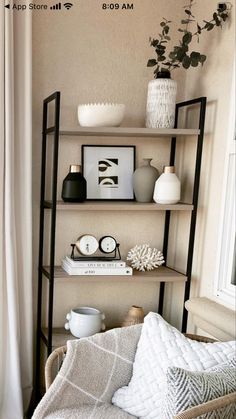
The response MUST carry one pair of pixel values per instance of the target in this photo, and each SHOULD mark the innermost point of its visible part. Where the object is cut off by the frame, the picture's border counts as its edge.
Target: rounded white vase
(161, 100)
(167, 187)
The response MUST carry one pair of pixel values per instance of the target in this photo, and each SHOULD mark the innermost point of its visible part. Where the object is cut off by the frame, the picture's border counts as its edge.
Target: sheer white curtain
(15, 213)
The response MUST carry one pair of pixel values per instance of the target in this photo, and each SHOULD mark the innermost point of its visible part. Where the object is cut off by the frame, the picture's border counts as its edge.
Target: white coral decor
(144, 258)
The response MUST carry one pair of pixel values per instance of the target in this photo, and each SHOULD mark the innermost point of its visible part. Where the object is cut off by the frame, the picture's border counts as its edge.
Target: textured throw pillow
(187, 389)
(160, 347)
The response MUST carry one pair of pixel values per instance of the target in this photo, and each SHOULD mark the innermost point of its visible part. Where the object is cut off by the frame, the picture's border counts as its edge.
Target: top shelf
(126, 132)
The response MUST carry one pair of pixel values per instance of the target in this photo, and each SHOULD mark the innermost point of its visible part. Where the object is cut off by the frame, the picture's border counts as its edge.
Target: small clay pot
(134, 316)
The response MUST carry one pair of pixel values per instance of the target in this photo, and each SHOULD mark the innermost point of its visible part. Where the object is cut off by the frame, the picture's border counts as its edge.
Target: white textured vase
(161, 100)
(167, 187)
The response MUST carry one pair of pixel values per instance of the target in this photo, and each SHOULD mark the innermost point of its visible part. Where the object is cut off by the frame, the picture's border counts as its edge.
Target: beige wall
(93, 55)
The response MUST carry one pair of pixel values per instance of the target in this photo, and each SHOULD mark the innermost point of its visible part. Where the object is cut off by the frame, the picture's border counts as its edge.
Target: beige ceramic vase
(134, 316)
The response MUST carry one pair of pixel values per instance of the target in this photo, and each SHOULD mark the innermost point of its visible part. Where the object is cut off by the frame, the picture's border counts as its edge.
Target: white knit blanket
(93, 369)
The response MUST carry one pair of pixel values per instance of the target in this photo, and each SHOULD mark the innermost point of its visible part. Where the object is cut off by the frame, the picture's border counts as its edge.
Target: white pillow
(160, 347)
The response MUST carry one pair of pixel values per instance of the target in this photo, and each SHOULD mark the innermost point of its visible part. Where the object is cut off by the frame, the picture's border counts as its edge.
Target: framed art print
(108, 171)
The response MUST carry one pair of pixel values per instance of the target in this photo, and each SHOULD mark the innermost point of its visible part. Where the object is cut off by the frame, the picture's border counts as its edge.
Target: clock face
(87, 245)
(107, 244)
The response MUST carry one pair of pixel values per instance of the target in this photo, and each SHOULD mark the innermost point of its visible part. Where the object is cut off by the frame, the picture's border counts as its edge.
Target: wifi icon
(67, 5)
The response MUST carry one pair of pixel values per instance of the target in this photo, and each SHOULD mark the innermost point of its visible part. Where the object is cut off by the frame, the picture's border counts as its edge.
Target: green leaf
(160, 52)
(161, 47)
(185, 21)
(210, 27)
(194, 62)
(184, 47)
(167, 38)
(154, 42)
(161, 58)
(187, 38)
(223, 8)
(163, 24)
(181, 30)
(181, 54)
(216, 19)
(188, 12)
(151, 63)
(166, 29)
(172, 55)
(195, 55)
(224, 16)
(186, 62)
(202, 58)
(199, 29)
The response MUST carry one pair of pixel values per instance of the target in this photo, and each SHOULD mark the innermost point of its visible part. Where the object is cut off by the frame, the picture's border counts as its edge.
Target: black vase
(74, 188)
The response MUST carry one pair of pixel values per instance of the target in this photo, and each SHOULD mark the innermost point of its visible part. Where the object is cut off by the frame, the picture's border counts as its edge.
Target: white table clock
(87, 245)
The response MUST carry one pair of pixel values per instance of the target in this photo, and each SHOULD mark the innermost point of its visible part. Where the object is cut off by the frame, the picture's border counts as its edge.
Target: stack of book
(94, 267)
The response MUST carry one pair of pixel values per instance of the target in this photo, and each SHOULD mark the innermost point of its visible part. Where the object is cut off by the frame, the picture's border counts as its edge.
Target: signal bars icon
(58, 6)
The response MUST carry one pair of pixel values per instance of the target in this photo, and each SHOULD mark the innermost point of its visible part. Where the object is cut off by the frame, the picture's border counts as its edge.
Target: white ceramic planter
(167, 187)
(85, 321)
(161, 100)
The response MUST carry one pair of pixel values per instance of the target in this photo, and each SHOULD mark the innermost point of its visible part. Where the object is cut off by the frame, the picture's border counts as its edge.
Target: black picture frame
(109, 188)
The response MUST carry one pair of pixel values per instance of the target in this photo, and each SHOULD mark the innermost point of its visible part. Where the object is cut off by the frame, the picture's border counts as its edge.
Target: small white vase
(161, 100)
(167, 187)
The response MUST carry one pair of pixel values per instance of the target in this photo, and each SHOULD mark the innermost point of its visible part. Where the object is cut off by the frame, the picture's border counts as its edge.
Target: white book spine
(97, 271)
(95, 264)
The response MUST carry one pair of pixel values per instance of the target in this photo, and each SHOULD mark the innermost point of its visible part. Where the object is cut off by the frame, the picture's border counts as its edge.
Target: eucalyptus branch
(179, 55)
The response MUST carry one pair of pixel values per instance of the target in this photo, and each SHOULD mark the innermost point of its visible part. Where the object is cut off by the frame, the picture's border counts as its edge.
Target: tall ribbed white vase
(161, 100)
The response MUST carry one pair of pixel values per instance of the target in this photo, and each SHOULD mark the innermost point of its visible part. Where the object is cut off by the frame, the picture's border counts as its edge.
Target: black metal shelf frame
(54, 133)
(55, 97)
(201, 125)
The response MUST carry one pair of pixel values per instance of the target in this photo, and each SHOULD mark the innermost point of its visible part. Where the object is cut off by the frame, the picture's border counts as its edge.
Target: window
(226, 280)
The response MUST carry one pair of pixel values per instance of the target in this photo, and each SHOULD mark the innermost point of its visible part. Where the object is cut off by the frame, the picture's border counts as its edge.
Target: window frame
(224, 290)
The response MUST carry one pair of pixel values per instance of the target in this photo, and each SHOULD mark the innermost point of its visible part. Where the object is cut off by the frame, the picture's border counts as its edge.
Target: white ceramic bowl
(85, 321)
(101, 115)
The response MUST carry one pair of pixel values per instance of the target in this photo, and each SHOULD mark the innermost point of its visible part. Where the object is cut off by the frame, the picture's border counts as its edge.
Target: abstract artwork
(108, 171)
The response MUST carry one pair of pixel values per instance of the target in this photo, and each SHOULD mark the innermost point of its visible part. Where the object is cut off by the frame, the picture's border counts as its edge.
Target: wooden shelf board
(119, 206)
(128, 132)
(60, 335)
(162, 274)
